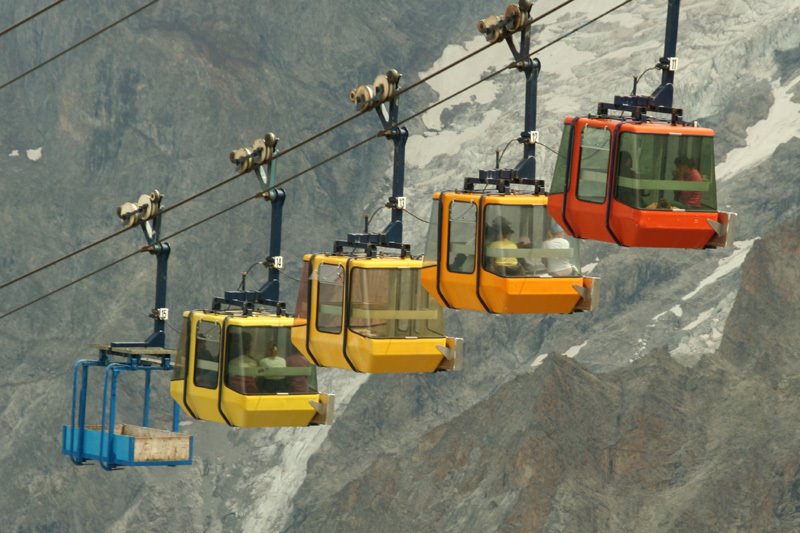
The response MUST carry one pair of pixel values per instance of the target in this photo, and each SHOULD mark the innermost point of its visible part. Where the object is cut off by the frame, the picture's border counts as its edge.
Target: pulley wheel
(261, 151)
(271, 139)
(146, 207)
(240, 159)
(129, 213)
(514, 18)
(383, 88)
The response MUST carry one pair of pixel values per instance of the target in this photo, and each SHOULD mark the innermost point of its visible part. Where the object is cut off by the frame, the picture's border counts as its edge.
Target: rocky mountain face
(654, 446)
(668, 409)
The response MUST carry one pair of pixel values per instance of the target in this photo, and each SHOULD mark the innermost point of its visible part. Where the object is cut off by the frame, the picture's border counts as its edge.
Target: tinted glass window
(391, 303)
(262, 360)
(301, 309)
(329, 298)
(667, 172)
(179, 368)
(431, 257)
(560, 174)
(206, 362)
(593, 170)
(524, 241)
(461, 239)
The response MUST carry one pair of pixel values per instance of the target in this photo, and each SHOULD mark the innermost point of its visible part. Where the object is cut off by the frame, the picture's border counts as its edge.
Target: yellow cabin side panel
(395, 355)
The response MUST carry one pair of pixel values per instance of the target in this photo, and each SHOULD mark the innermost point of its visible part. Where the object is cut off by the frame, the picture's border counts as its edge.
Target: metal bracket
(670, 64)
(396, 202)
(260, 153)
(588, 300)
(529, 137)
(324, 411)
(161, 313)
(453, 352)
(724, 230)
(275, 262)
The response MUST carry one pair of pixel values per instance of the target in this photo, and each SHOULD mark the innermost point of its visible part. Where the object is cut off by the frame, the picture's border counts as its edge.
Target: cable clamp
(397, 202)
(275, 262)
(670, 64)
(530, 137)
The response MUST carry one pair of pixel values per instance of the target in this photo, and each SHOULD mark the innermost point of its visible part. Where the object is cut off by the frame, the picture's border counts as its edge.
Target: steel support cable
(339, 154)
(191, 226)
(279, 154)
(475, 52)
(76, 45)
(73, 282)
(512, 65)
(64, 258)
(413, 85)
(29, 18)
(277, 185)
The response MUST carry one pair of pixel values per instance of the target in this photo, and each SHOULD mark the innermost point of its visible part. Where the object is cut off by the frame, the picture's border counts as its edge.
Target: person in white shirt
(557, 266)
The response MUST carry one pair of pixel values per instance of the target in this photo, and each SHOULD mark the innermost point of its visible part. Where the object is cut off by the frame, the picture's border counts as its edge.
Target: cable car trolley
(362, 306)
(492, 246)
(636, 174)
(111, 443)
(235, 363)
(499, 251)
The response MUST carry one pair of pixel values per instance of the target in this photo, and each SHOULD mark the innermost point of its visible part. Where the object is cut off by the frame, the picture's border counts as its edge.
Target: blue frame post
(82, 443)
(146, 410)
(76, 452)
(271, 290)
(106, 456)
(393, 232)
(663, 94)
(530, 67)
(661, 99)
(385, 89)
(260, 158)
(161, 251)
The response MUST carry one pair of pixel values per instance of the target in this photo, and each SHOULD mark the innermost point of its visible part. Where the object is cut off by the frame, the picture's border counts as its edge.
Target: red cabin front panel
(636, 184)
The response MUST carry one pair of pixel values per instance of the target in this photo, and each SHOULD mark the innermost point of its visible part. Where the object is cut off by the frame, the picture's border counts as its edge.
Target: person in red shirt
(686, 170)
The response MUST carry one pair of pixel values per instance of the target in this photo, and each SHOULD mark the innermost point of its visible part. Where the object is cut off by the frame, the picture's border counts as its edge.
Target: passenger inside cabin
(272, 361)
(499, 236)
(243, 368)
(686, 170)
(557, 266)
(205, 374)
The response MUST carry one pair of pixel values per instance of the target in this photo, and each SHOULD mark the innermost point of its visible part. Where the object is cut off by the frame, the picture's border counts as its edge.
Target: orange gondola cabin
(638, 182)
(492, 246)
(500, 252)
(641, 176)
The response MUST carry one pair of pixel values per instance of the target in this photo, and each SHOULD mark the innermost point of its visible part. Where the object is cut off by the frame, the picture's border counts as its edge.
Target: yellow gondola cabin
(502, 253)
(370, 314)
(242, 370)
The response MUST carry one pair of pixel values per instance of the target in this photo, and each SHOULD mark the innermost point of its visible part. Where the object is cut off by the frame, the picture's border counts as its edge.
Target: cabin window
(301, 309)
(461, 237)
(593, 169)
(262, 360)
(561, 172)
(668, 172)
(329, 298)
(524, 241)
(391, 303)
(206, 361)
(179, 364)
(431, 257)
